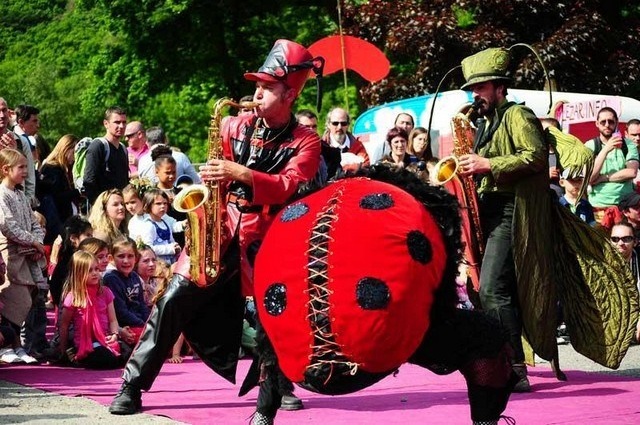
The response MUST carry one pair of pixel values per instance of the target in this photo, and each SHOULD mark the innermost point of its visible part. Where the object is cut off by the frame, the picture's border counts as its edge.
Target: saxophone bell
(190, 198)
(446, 169)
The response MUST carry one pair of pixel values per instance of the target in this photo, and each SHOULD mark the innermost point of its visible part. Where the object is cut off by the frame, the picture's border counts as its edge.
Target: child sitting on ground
(89, 306)
(131, 310)
(75, 230)
(146, 269)
(99, 249)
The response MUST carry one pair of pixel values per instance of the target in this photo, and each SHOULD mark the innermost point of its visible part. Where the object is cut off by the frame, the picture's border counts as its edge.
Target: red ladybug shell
(381, 260)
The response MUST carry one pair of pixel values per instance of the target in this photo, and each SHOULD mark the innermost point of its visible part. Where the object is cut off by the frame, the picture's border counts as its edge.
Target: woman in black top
(56, 193)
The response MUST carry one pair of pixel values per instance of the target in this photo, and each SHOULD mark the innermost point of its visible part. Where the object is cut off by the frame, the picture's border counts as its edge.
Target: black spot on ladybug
(275, 299)
(294, 212)
(419, 246)
(252, 251)
(372, 293)
(376, 201)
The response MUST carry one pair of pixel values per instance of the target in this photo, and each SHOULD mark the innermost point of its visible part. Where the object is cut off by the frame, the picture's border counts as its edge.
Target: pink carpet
(191, 393)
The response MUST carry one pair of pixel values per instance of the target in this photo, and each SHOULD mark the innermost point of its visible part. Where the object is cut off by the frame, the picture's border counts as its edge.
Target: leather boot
(128, 401)
(523, 385)
(290, 402)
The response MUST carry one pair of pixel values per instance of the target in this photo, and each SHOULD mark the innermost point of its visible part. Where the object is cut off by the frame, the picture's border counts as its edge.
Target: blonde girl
(108, 216)
(21, 246)
(89, 307)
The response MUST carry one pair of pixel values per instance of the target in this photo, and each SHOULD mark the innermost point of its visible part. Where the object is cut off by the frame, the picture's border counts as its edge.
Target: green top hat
(487, 65)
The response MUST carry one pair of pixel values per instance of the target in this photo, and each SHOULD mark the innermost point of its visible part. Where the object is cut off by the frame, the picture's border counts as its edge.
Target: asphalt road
(23, 405)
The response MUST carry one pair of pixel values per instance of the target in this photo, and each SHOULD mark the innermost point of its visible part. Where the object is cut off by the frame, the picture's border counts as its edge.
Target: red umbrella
(348, 52)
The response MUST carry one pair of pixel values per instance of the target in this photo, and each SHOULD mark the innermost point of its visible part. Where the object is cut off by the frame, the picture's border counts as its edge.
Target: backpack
(597, 147)
(80, 157)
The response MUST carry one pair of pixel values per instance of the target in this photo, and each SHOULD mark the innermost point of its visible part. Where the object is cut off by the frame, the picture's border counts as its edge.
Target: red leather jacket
(279, 167)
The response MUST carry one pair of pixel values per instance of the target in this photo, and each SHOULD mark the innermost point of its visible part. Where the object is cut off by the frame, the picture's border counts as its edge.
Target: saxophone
(204, 208)
(447, 170)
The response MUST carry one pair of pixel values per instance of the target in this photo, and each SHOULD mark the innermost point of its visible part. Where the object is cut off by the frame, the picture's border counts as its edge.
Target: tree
(589, 45)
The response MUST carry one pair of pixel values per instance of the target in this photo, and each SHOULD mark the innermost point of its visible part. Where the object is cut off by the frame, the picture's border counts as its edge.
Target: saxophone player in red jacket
(267, 156)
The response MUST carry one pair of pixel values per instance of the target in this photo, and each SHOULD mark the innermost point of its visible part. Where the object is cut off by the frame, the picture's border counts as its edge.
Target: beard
(339, 137)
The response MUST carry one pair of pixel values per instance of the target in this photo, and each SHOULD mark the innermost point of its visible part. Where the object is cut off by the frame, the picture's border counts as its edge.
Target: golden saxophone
(204, 207)
(447, 169)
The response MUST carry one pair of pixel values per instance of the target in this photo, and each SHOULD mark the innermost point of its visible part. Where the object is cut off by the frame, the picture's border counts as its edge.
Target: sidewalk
(24, 405)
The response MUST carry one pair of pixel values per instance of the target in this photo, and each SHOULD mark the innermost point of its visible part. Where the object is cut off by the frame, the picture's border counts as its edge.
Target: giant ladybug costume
(279, 161)
(358, 278)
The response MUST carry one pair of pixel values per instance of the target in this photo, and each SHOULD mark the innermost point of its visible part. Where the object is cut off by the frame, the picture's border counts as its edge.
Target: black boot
(523, 385)
(290, 402)
(127, 402)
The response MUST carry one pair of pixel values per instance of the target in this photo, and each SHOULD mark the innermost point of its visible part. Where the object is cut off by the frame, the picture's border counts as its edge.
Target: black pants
(498, 284)
(273, 383)
(210, 318)
(102, 358)
(34, 328)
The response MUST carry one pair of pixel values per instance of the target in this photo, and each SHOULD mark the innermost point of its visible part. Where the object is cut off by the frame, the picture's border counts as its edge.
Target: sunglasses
(342, 123)
(127, 136)
(605, 122)
(625, 239)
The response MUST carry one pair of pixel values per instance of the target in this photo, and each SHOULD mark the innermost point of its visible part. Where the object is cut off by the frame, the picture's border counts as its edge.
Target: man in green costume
(535, 254)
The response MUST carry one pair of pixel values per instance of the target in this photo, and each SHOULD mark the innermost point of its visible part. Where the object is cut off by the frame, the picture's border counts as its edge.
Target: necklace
(266, 131)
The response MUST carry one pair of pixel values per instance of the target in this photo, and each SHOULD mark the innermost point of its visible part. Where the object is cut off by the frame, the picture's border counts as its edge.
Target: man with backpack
(106, 163)
(615, 165)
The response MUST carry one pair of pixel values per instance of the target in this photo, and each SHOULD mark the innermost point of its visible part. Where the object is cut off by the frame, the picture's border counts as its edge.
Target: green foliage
(17, 16)
(590, 45)
(333, 95)
(465, 18)
(184, 114)
(47, 67)
(167, 61)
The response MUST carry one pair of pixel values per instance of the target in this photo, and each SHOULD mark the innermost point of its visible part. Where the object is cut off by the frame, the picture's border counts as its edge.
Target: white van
(575, 111)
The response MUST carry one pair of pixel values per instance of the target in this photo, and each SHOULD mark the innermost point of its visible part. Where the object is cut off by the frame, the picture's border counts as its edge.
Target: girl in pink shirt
(89, 306)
